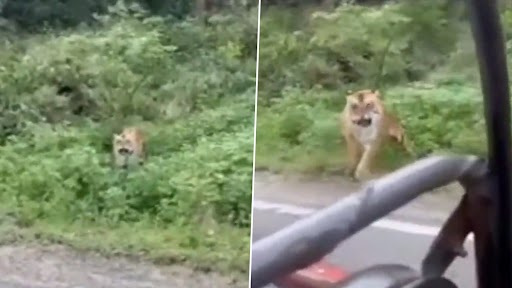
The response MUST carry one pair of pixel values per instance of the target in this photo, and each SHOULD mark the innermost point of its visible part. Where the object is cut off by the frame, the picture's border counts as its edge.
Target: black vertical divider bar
(490, 48)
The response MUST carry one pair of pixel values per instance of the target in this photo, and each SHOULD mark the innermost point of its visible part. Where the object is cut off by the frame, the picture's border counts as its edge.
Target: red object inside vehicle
(319, 275)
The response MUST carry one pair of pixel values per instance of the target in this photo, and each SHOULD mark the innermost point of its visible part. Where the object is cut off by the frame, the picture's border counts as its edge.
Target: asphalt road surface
(403, 237)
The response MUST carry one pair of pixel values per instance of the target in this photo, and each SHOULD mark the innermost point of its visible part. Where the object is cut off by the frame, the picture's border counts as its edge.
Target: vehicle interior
(484, 209)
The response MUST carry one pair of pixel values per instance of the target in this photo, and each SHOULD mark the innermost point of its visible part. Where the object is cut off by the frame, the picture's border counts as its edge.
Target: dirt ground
(34, 266)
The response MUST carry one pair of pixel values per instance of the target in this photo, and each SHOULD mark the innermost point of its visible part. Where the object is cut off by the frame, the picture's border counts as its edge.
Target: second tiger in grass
(129, 148)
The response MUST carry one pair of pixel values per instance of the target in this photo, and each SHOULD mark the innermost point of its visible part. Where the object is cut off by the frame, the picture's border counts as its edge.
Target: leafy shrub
(135, 70)
(448, 117)
(58, 174)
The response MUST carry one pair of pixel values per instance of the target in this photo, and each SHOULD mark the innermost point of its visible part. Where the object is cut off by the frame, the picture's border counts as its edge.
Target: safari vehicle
(286, 257)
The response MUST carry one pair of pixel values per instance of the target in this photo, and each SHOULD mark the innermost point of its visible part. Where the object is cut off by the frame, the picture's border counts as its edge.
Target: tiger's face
(364, 107)
(123, 145)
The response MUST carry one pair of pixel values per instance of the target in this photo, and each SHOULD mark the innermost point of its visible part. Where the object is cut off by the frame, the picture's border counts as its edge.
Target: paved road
(401, 238)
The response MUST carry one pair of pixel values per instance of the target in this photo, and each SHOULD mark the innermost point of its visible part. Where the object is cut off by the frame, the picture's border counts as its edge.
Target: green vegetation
(419, 54)
(188, 85)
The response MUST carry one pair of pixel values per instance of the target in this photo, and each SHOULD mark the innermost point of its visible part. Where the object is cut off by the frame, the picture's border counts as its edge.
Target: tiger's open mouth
(124, 151)
(363, 122)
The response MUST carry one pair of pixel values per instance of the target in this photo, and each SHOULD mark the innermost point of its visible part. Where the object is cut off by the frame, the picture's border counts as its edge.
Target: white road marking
(388, 224)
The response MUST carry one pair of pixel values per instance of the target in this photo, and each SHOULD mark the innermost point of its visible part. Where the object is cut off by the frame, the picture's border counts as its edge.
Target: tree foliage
(34, 14)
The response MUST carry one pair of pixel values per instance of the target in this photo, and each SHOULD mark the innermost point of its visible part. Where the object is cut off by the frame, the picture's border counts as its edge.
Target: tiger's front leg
(355, 152)
(363, 170)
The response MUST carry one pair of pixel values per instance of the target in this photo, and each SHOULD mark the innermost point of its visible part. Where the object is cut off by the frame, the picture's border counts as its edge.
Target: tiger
(129, 148)
(366, 125)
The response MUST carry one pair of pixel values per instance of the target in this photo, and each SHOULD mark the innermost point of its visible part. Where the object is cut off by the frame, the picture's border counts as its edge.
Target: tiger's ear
(377, 93)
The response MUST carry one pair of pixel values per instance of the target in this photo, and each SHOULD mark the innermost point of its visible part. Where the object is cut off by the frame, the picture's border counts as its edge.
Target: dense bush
(420, 55)
(353, 45)
(190, 87)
